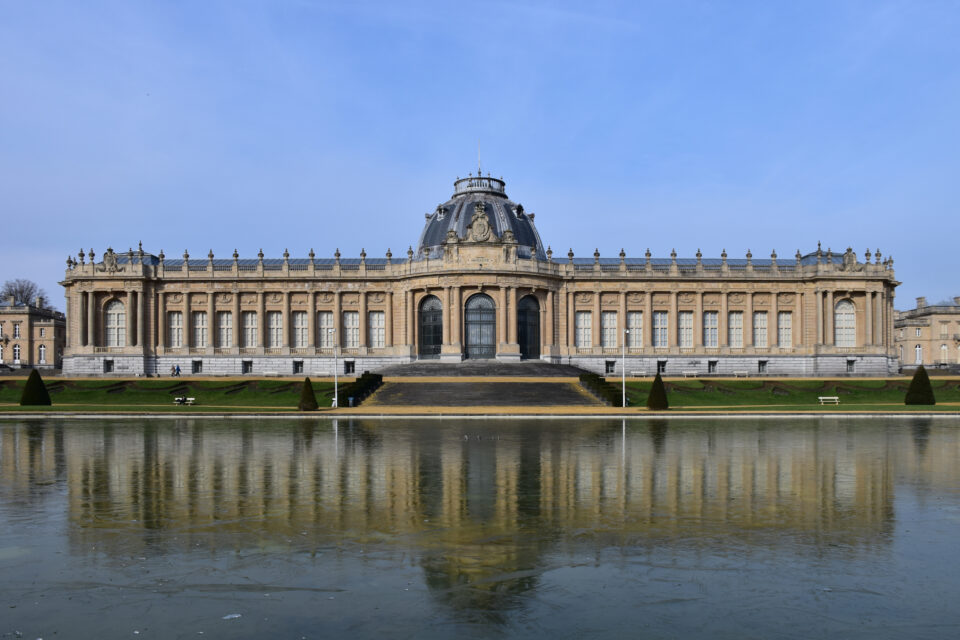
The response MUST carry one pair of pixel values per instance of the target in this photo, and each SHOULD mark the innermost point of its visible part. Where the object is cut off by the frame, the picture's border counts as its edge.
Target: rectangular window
(325, 327)
(735, 329)
(851, 366)
(608, 326)
(635, 326)
(583, 337)
(685, 328)
(944, 328)
(175, 329)
(108, 366)
(660, 327)
(250, 338)
(298, 366)
(224, 328)
(300, 329)
(712, 366)
(785, 329)
(760, 329)
(16, 330)
(376, 329)
(710, 319)
(610, 366)
(661, 366)
(761, 366)
(1, 329)
(351, 329)
(247, 365)
(349, 367)
(196, 366)
(43, 332)
(918, 332)
(274, 329)
(199, 321)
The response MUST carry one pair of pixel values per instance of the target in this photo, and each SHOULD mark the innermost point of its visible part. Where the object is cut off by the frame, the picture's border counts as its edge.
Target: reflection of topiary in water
(308, 400)
(34, 392)
(920, 391)
(657, 400)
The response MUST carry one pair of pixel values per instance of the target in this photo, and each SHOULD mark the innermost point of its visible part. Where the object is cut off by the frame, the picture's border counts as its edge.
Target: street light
(336, 366)
(623, 366)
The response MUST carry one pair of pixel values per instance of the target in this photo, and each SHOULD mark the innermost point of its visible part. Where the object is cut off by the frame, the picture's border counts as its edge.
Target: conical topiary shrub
(920, 391)
(657, 400)
(308, 401)
(34, 392)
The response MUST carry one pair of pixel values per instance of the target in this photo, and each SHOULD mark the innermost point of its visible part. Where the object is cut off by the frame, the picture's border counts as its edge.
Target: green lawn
(786, 394)
(158, 395)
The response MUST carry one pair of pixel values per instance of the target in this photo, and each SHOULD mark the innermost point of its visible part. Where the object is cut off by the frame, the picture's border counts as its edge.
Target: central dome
(502, 215)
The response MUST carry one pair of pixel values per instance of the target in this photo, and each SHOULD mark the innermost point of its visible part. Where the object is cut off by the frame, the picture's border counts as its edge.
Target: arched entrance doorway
(481, 327)
(528, 328)
(431, 327)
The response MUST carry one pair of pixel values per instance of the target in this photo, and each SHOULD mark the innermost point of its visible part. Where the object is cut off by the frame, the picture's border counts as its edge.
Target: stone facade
(31, 335)
(480, 284)
(928, 334)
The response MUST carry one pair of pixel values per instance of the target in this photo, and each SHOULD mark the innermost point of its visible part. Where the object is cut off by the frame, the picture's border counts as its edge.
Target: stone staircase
(482, 393)
(481, 368)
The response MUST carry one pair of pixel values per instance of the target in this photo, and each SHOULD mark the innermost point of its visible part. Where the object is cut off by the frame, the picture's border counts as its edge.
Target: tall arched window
(42, 354)
(918, 350)
(845, 322)
(114, 325)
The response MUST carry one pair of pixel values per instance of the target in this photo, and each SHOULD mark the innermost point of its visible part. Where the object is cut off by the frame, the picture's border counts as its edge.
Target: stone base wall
(222, 365)
(776, 366)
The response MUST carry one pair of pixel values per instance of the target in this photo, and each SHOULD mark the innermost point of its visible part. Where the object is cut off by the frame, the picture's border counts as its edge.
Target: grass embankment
(224, 396)
(795, 395)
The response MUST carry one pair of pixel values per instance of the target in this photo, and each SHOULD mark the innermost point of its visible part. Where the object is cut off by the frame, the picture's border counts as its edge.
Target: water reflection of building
(476, 503)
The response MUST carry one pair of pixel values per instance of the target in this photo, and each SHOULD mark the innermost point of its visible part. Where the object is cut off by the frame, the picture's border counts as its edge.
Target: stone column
(568, 303)
(445, 297)
(673, 326)
(596, 329)
(141, 315)
(187, 337)
(237, 320)
(818, 300)
(286, 342)
(512, 317)
(312, 319)
(388, 320)
(880, 323)
(337, 320)
(774, 339)
(548, 323)
(91, 319)
(161, 320)
(748, 321)
(128, 329)
(829, 319)
(409, 316)
(81, 319)
(68, 312)
(868, 312)
(363, 319)
(261, 320)
(723, 330)
(212, 333)
(502, 317)
(698, 321)
(647, 340)
(456, 324)
(622, 320)
(798, 321)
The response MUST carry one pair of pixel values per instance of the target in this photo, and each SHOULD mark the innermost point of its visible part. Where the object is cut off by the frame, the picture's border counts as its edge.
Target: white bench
(184, 400)
(689, 374)
(740, 374)
(638, 374)
(829, 399)
(271, 374)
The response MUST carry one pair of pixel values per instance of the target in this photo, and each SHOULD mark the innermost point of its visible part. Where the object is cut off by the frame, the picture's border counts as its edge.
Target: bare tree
(23, 291)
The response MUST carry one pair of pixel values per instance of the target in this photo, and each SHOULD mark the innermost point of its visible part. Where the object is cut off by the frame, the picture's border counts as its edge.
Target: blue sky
(301, 124)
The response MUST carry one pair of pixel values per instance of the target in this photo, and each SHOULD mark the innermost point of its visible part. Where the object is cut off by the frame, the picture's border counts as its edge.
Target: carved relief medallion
(377, 297)
(737, 298)
(326, 297)
(685, 298)
(225, 297)
(479, 225)
(635, 298)
(786, 298)
(661, 299)
(584, 298)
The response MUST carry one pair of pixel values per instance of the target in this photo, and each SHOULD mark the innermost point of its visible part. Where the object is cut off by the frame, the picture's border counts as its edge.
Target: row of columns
(88, 331)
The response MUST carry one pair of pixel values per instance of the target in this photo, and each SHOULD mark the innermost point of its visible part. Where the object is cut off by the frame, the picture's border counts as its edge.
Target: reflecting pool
(739, 528)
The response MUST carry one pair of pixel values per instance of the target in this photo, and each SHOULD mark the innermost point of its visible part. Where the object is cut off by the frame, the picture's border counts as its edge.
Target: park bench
(638, 374)
(829, 399)
(184, 400)
(740, 374)
(689, 374)
(271, 374)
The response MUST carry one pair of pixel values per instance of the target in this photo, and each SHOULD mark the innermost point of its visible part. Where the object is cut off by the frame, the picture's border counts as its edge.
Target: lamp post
(336, 366)
(623, 366)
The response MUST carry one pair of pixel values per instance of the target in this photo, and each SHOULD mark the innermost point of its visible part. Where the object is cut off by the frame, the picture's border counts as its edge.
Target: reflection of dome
(457, 213)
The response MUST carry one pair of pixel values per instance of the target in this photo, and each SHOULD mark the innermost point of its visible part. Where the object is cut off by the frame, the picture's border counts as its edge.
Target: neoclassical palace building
(480, 284)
